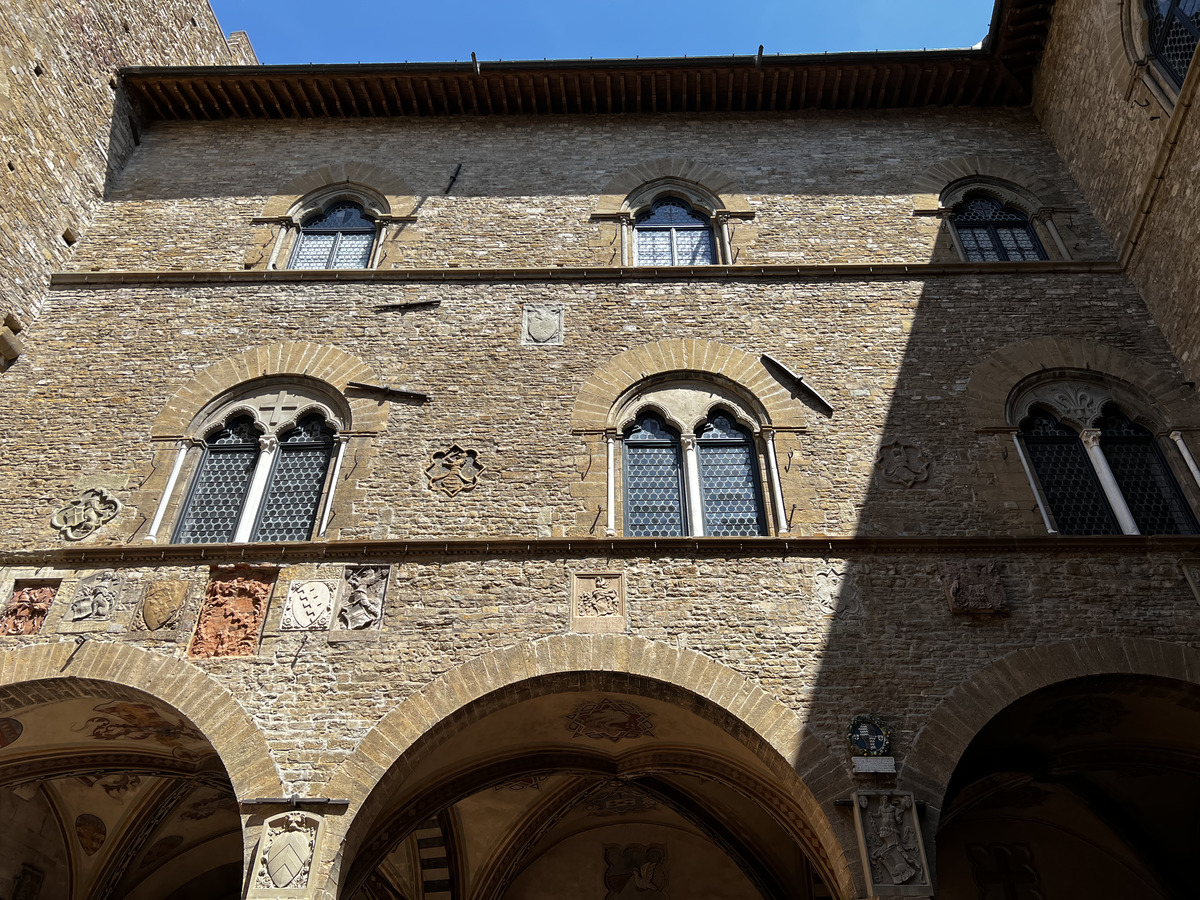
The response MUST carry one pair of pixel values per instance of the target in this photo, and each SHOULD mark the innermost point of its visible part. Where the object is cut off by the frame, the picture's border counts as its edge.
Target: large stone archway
(389, 778)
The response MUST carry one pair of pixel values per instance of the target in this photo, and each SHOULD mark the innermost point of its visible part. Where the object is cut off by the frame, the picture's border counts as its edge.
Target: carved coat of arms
(453, 471)
(309, 605)
(903, 464)
(890, 840)
(973, 587)
(288, 855)
(79, 518)
(543, 325)
(95, 596)
(27, 609)
(362, 604)
(161, 605)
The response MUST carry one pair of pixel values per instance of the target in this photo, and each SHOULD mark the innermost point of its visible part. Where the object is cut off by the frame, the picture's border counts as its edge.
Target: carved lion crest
(79, 518)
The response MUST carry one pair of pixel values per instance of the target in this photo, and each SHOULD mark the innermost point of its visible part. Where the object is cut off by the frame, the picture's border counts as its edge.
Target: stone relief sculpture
(900, 463)
(618, 799)
(635, 870)
(161, 604)
(542, 325)
(95, 596)
(597, 602)
(835, 594)
(973, 588)
(361, 608)
(309, 605)
(27, 608)
(232, 613)
(453, 471)
(91, 832)
(889, 837)
(289, 842)
(80, 518)
(612, 720)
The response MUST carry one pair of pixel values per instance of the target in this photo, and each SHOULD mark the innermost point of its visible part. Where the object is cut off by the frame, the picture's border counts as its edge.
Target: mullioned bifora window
(255, 486)
(1111, 478)
(671, 233)
(341, 237)
(989, 231)
(1174, 33)
(717, 468)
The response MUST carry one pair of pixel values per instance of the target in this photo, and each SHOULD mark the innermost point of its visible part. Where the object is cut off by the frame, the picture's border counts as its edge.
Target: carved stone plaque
(95, 597)
(309, 605)
(834, 592)
(86, 515)
(360, 607)
(635, 871)
(27, 608)
(900, 463)
(160, 607)
(598, 602)
(542, 325)
(889, 838)
(974, 588)
(454, 471)
(229, 622)
(286, 852)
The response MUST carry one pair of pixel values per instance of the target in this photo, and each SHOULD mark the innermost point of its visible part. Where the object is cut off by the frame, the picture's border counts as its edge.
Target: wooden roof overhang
(999, 73)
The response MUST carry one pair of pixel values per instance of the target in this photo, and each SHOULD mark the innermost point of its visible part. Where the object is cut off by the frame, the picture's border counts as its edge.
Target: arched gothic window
(1174, 32)
(263, 473)
(341, 237)
(989, 231)
(671, 233)
(705, 483)
(1108, 477)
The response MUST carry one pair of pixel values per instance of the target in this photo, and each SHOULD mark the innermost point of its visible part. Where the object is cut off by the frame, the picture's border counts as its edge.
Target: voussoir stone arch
(501, 674)
(209, 706)
(708, 179)
(992, 381)
(375, 180)
(296, 359)
(596, 403)
(931, 184)
(963, 713)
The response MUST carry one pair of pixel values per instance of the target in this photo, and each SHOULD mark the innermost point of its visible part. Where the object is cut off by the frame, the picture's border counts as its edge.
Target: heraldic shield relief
(289, 844)
(635, 870)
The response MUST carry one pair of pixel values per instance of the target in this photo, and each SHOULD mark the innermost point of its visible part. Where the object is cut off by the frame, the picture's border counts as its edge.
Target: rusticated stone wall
(66, 128)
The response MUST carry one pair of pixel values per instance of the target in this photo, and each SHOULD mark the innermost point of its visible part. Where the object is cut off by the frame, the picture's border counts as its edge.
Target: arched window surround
(702, 202)
(1146, 67)
(1041, 217)
(1082, 404)
(685, 405)
(312, 205)
(274, 407)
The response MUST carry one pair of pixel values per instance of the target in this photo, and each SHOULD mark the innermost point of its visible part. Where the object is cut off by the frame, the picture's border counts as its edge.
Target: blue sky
(304, 31)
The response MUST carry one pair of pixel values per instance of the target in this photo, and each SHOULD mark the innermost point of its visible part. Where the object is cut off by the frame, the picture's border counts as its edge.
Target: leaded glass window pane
(729, 480)
(219, 491)
(671, 233)
(340, 238)
(1150, 490)
(1174, 33)
(353, 251)
(653, 480)
(992, 232)
(1067, 478)
(289, 507)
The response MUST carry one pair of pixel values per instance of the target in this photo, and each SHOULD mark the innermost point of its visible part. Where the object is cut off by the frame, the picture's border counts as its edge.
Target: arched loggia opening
(1079, 789)
(589, 784)
(108, 792)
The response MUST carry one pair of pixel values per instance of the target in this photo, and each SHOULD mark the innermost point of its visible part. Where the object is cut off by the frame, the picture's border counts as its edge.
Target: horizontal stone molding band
(456, 274)
(400, 550)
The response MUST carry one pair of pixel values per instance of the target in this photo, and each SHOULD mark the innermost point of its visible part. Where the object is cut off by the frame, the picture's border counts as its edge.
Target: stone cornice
(457, 275)
(292, 553)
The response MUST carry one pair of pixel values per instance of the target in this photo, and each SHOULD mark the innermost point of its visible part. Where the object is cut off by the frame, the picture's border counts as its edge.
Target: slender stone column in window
(1037, 492)
(610, 441)
(337, 467)
(691, 467)
(781, 522)
(723, 237)
(172, 479)
(284, 229)
(1177, 437)
(1047, 218)
(1091, 443)
(269, 444)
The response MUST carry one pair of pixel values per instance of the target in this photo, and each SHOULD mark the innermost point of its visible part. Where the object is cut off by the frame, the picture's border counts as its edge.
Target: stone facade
(473, 675)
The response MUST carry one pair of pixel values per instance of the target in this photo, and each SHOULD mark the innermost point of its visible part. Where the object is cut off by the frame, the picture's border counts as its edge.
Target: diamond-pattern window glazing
(219, 491)
(653, 480)
(729, 483)
(992, 232)
(1149, 489)
(671, 233)
(1067, 478)
(340, 238)
(289, 507)
(1174, 34)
